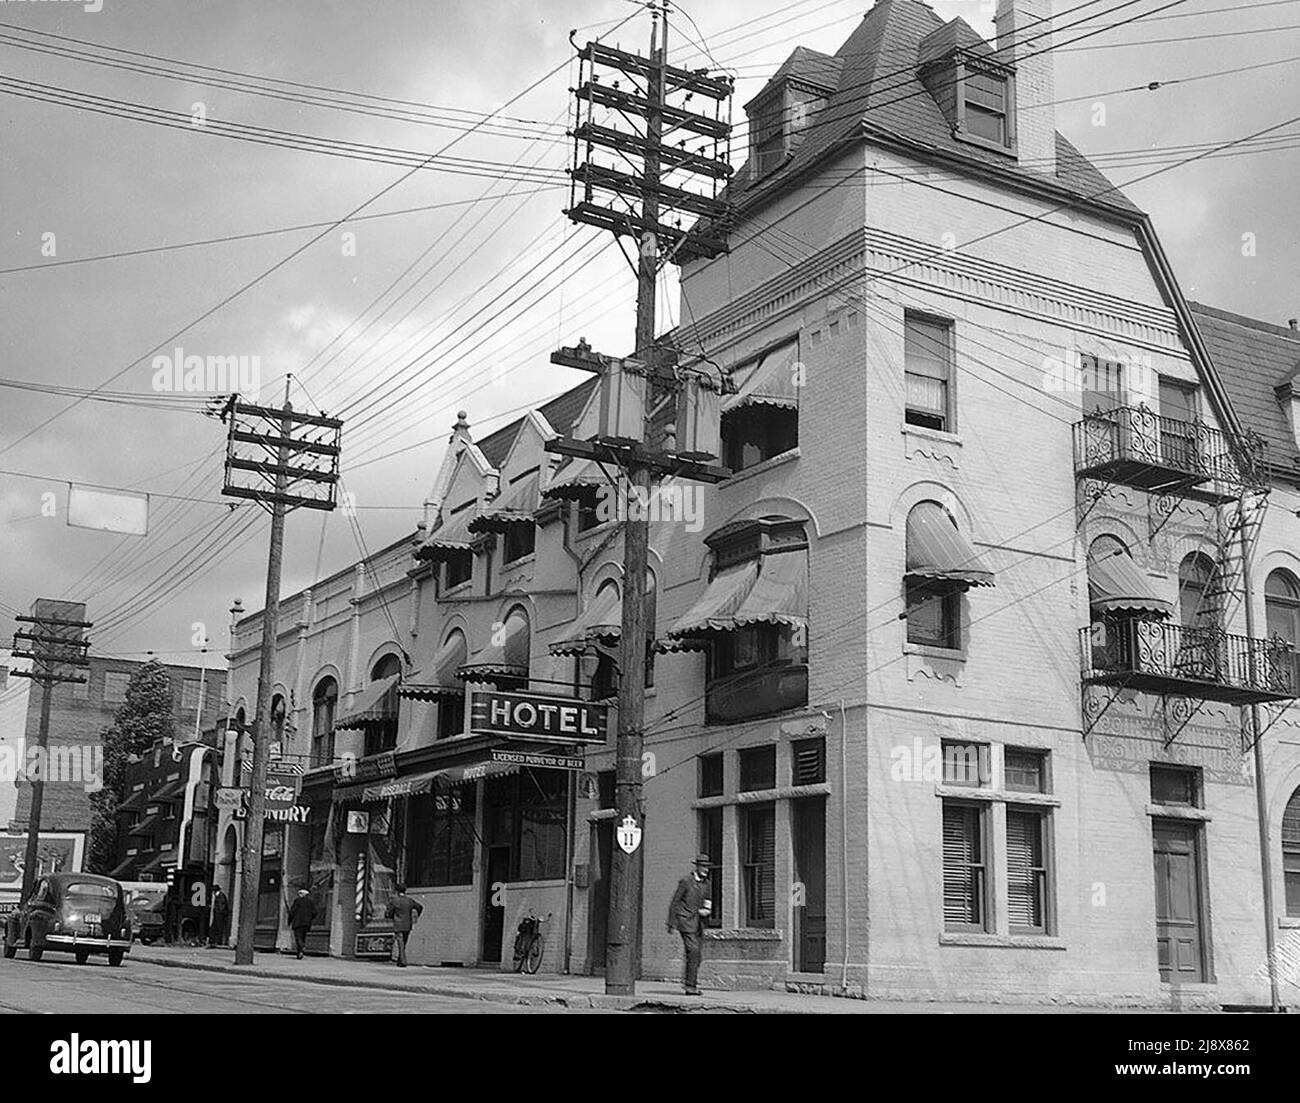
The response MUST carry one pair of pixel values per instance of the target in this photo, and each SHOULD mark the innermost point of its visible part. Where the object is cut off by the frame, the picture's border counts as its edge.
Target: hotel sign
(533, 716)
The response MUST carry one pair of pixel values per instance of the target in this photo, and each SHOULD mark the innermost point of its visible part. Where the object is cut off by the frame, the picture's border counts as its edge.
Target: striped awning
(770, 383)
(449, 539)
(377, 792)
(133, 803)
(374, 704)
(1117, 584)
(450, 658)
(772, 589)
(515, 506)
(601, 622)
(937, 550)
(578, 480)
(507, 658)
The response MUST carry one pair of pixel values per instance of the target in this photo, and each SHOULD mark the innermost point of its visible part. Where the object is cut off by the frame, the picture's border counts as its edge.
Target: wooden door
(1180, 935)
(494, 910)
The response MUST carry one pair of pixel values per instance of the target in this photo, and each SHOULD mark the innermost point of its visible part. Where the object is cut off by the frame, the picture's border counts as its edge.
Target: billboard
(58, 852)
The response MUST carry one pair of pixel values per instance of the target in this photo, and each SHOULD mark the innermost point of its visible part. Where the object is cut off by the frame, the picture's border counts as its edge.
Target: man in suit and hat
(689, 908)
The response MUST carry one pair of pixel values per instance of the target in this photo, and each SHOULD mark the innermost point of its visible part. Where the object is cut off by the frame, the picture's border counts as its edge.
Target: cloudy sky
(453, 298)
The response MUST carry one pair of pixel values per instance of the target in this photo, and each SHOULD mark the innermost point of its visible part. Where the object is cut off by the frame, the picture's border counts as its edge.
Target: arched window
(278, 713)
(1194, 574)
(381, 734)
(1282, 606)
(1291, 854)
(516, 650)
(451, 704)
(604, 678)
(941, 566)
(324, 700)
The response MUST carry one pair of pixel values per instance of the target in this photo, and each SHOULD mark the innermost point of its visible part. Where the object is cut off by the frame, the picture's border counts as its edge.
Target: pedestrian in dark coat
(689, 908)
(403, 911)
(219, 931)
(302, 913)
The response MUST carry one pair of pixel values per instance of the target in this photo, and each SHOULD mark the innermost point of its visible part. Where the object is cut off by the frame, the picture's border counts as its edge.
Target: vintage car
(146, 906)
(80, 913)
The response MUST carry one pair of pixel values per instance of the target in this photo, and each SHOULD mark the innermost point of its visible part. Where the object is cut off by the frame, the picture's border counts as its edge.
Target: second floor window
(518, 542)
(927, 361)
(324, 699)
(761, 421)
(941, 567)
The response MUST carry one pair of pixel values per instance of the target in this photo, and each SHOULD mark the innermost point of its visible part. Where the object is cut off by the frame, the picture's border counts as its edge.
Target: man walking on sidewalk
(302, 913)
(689, 908)
(403, 911)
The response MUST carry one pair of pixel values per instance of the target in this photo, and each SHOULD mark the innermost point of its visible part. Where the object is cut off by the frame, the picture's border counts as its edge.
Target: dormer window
(786, 108)
(769, 134)
(975, 92)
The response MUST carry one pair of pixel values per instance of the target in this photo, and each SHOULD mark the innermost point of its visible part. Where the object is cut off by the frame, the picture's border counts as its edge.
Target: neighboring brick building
(79, 715)
(952, 673)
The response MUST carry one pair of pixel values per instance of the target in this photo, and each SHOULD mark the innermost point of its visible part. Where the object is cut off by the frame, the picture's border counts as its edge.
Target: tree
(143, 719)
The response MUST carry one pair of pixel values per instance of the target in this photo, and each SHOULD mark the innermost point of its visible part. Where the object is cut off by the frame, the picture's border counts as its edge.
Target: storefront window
(442, 838)
(528, 812)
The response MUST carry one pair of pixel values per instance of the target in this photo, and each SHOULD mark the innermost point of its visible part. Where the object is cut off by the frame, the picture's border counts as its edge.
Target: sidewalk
(512, 988)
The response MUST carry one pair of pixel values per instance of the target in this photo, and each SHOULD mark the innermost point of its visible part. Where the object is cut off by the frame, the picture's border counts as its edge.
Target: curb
(599, 1002)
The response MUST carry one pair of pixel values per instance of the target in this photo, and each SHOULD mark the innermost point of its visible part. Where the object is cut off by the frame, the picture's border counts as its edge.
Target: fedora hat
(703, 860)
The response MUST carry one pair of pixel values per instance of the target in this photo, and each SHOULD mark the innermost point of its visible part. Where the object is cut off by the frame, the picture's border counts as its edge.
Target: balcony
(1203, 663)
(1132, 446)
(752, 693)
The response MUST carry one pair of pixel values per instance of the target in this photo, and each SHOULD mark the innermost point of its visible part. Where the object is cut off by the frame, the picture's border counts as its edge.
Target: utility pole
(312, 442)
(56, 643)
(632, 438)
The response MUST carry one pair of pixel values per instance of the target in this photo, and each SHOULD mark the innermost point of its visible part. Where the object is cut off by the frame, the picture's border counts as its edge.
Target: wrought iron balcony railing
(1136, 447)
(1209, 663)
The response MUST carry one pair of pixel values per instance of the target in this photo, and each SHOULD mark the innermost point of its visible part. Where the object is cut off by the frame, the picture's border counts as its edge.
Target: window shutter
(960, 852)
(809, 762)
(1024, 869)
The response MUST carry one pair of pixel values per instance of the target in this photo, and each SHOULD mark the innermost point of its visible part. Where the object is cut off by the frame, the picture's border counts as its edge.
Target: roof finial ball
(462, 420)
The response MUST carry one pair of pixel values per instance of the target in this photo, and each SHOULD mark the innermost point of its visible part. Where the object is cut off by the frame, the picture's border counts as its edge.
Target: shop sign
(534, 716)
(229, 799)
(378, 944)
(374, 768)
(546, 761)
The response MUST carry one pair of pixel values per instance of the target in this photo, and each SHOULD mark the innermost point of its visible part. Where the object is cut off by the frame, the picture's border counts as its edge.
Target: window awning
(578, 480)
(132, 803)
(450, 658)
(601, 622)
(771, 383)
(417, 784)
(772, 589)
(506, 659)
(400, 787)
(448, 540)
(121, 868)
(173, 790)
(144, 826)
(160, 861)
(374, 704)
(937, 550)
(1117, 584)
(515, 506)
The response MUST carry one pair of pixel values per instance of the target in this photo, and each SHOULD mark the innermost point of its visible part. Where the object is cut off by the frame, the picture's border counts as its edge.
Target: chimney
(1023, 29)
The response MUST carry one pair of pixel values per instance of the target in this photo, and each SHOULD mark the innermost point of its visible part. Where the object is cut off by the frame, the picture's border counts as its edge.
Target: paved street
(140, 987)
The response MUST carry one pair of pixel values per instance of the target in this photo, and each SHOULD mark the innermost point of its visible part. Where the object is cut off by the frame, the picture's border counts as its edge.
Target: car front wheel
(83, 956)
(115, 957)
(34, 953)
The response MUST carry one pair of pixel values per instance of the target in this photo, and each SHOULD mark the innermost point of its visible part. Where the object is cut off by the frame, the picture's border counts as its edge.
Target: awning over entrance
(600, 622)
(450, 539)
(400, 787)
(578, 480)
(515, 506)
(937, 550)
(771, 383)
(1117, 584)
(375, 704)
(507, 659)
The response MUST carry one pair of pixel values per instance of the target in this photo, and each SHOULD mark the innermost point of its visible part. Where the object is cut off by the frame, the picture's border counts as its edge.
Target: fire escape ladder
(1238, 526)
